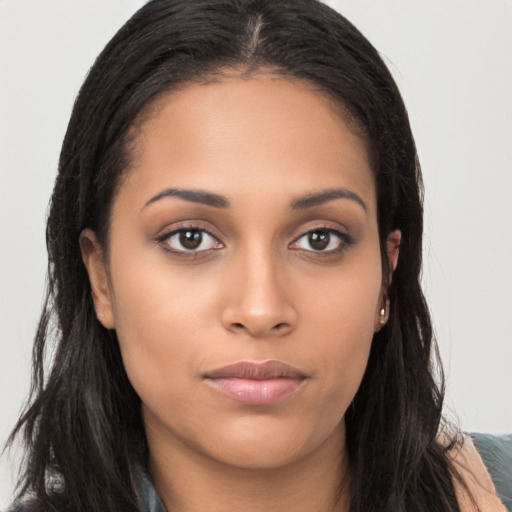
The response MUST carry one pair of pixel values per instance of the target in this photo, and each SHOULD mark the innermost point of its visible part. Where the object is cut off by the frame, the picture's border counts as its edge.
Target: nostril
(277, 327)
(238, 325)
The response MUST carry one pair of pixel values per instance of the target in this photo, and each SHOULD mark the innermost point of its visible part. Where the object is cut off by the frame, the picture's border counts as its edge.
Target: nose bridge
(259, 301)
(262, 291)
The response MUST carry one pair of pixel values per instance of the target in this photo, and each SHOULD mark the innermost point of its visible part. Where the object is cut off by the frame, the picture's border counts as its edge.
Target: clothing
(495, 452)
(150, 497)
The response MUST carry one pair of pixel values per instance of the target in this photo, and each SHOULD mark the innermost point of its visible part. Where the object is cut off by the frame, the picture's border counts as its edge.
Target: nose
(258, 304)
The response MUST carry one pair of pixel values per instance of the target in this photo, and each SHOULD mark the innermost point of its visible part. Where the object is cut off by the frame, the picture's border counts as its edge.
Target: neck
(188, 481)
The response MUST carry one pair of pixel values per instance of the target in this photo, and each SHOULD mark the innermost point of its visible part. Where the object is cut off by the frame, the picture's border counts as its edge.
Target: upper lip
(257, 371)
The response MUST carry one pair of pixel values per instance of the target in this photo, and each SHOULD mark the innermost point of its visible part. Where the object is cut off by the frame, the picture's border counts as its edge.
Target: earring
(384, 312)
(382, 315)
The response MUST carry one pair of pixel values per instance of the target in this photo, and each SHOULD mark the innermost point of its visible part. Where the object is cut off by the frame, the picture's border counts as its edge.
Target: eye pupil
(319, 240)
(191, 239)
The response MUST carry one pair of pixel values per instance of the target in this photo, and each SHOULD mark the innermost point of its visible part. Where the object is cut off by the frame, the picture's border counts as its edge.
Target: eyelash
(345, 240)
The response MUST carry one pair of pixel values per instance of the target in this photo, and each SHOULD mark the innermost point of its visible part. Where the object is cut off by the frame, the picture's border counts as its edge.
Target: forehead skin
(249, 105)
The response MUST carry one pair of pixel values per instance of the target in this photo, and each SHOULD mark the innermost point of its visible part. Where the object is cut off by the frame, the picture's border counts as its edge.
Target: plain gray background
(453, 62)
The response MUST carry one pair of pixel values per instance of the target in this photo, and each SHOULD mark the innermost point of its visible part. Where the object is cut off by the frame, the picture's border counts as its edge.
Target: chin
(260, 457)
(268, 444)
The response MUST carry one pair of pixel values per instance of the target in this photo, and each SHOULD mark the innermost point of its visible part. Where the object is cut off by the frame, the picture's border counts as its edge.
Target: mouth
(256, 383)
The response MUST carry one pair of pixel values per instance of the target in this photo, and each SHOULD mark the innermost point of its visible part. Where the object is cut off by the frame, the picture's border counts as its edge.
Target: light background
(453, 63)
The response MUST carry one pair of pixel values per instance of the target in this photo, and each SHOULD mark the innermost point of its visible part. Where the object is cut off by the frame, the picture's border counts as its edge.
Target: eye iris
(191, 239)
(319, 240)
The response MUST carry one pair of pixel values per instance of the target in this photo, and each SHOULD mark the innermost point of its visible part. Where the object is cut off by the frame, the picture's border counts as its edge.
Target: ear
(392, 250)
(95, 264)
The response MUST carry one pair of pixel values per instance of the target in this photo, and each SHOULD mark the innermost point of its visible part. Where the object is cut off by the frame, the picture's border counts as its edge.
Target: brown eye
(319, 240)
(322, 240)
(189, 240)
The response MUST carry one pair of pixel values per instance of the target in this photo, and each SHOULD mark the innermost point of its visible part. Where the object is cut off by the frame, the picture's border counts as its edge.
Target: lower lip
(256, 392)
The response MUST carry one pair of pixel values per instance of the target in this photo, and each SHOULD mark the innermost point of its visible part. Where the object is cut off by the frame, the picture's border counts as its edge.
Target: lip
(256, 383)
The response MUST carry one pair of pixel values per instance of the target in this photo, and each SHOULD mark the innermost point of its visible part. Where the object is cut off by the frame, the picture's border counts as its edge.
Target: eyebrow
(324, 196)
(217, 201)
(194, 196)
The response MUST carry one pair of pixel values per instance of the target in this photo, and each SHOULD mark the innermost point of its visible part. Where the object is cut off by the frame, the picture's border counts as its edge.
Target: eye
(189, 240)
(322, 240)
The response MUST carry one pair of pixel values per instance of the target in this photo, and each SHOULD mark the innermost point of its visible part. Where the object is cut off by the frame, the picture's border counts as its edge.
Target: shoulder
(483, 463)
(496, 455)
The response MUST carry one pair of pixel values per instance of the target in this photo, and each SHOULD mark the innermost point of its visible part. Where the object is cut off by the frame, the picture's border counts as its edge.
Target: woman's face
(244, 233)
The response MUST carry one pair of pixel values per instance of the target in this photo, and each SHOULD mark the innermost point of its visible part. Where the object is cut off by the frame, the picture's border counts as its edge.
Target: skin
(256, 290)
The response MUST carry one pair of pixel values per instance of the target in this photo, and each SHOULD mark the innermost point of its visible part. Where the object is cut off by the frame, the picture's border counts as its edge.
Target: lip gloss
(256, 391)
(256, 383)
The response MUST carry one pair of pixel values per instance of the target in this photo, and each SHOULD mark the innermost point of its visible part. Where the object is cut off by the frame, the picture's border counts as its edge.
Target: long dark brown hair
(83, 422)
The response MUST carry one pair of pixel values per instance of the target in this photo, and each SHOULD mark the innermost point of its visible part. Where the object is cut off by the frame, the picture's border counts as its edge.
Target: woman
(235, 246)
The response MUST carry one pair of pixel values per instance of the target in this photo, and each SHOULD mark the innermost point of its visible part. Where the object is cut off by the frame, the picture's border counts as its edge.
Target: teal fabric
(496, 453)
(148, 494)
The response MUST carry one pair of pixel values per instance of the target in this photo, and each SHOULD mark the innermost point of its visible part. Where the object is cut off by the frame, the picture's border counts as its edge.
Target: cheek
(342, 318)
(161, 314)
(344, 339)
(340, 367)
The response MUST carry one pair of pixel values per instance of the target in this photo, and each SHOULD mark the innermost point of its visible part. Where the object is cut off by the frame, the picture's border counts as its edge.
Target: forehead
(249, 133)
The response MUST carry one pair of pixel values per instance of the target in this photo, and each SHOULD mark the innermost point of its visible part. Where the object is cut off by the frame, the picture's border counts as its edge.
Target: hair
(83, 420)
